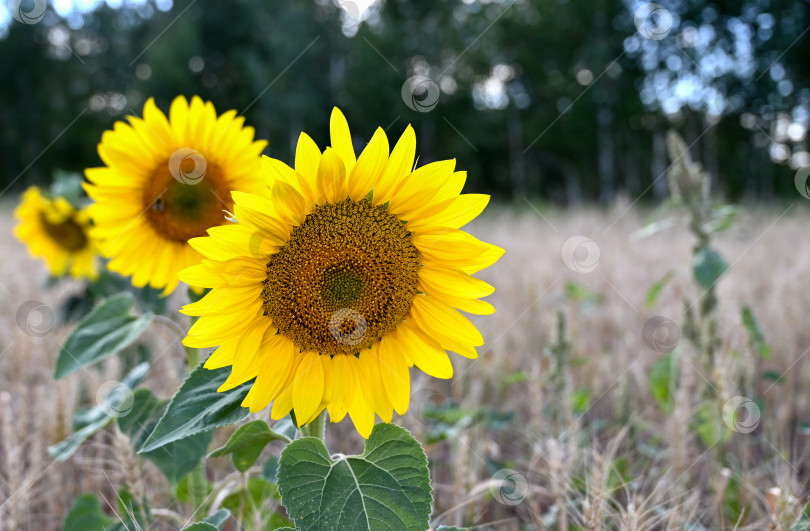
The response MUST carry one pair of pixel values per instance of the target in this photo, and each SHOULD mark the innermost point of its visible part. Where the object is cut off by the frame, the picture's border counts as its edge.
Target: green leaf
(663, 380)
(109, 328)
(388, 486)
(198, 408)
(175, 459)
(213, 522)
(270, 469)
(136, 517)
(257, 501)
(655, 290)
(247, 443)
(803, 523)
(580, 399)
(86, 515)
(708, 266)
(755, 336)
(93, 420)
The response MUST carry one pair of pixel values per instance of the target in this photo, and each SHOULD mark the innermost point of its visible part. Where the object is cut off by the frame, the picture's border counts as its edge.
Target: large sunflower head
(350, 273)
(57, 232)
(168, 180)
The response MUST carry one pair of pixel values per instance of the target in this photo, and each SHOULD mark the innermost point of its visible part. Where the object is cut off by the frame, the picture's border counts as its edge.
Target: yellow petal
(341, 138)
(275, 370)
(394, 372)
(308, 387)
(454, 213)
(307, 158)
(398, 166)
(331, 182)
(366, 172)
(452, 282)
(425, 353)
(420, 187)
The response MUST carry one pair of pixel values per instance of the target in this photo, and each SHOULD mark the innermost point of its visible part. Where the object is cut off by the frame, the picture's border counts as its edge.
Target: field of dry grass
(571, 415)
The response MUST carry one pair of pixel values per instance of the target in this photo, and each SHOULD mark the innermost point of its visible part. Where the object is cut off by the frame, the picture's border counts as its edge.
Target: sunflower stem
(316, 428)
(193, 357)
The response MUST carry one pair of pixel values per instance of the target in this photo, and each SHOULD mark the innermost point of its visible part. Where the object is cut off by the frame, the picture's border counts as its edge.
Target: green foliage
(92, 421)
(135, 514)
(578, 293)
(175, 459)
(258, 500)
(655, 290)
(109, 328)
(388, 486)
(708, 266)
(215, 522)
(581, 398)
(247, 443)
(803, 523)
(198, 407)
(663, 381)
(86, 515)
(756, 339)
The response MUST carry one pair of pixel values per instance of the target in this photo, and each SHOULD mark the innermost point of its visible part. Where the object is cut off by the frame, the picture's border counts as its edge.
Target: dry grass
(620, 464)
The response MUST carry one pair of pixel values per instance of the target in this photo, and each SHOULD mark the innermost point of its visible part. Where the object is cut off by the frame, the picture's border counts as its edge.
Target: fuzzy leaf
(387, 487)
(197, 408)
(247, 443)
(109, 328)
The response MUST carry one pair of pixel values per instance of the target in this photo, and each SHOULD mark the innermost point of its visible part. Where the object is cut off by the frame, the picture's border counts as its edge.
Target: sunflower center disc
(345, 278)
(69, 235)
(184, 205)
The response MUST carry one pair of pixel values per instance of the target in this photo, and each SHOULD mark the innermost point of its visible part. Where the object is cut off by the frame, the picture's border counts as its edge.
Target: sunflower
(351, 272)
(57, 232)
(166, 181)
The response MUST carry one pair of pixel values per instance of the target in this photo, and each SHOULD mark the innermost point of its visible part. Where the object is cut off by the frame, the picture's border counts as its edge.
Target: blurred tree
(562, 99)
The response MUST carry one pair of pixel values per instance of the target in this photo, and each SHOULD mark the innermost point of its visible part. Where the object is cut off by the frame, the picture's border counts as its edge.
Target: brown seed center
(183, 203)
(345, 278)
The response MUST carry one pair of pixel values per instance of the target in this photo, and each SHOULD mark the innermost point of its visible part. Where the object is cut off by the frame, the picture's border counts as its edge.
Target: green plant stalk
(192, 357)
(316, 428)
(197, 491)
